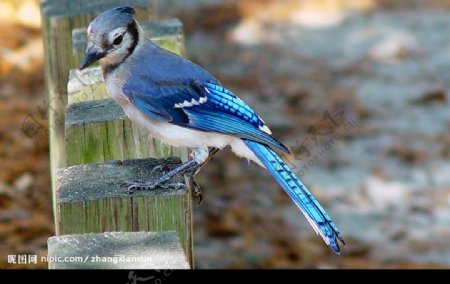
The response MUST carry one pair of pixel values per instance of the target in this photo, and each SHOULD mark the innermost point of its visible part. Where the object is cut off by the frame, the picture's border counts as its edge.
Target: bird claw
(175, 185)
(140, 185)
(199, 195)
(196, 190)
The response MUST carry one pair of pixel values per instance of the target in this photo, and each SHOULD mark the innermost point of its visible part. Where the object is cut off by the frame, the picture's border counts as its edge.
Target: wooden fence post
(90, 200)
(117, 250)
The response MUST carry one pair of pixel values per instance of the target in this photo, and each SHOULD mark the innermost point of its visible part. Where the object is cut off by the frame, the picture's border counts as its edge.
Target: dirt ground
(26, 219)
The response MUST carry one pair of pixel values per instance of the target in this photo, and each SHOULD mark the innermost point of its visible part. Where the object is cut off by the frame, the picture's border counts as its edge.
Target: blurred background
(357, 89)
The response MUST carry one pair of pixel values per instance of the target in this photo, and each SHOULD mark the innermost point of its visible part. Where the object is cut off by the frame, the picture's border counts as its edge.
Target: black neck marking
(133, 30)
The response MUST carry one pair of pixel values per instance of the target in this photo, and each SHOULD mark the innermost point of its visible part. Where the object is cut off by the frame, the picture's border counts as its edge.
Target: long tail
(316, 215)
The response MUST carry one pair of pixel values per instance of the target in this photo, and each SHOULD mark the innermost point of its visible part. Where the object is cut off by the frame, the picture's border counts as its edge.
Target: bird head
(111, 37)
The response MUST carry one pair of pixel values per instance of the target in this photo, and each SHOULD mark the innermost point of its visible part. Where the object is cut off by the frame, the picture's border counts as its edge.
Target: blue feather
(215, 109)
(229, 102)
(206, 119)
(309, 206)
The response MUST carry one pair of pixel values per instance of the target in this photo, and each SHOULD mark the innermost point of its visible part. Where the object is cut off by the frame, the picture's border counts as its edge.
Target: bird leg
(161, 181)
(190, 169)
(164, 168)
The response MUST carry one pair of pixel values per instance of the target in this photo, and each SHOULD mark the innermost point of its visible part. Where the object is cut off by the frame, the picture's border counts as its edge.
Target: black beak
(92, 54)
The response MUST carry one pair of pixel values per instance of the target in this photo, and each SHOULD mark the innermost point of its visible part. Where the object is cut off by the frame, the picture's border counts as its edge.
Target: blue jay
(183, 105)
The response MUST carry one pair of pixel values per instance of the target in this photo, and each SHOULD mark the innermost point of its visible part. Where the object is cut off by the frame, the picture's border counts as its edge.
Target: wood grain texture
(99, 130)
(117, 250)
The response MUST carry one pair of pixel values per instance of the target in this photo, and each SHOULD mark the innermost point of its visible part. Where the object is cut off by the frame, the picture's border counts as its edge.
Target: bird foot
(141, 185)
(196, 190)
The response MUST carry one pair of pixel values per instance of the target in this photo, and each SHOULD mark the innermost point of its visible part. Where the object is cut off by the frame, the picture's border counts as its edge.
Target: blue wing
(201, 106)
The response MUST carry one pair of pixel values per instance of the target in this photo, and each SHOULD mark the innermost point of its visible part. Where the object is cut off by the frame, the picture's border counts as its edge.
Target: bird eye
(118, 40)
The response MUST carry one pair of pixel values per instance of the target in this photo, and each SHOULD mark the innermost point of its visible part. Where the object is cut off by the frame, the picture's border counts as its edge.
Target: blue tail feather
(309, 206)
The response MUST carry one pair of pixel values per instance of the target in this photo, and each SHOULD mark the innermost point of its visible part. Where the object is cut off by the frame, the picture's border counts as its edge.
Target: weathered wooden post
(117, 250)
(90, 200)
